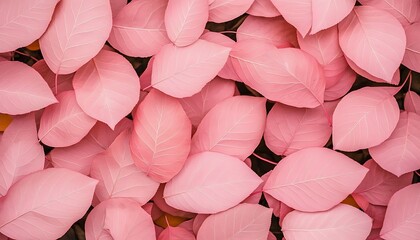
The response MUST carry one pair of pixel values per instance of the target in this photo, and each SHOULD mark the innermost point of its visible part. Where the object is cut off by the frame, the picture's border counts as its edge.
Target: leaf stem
(27, 55)
(264, 159)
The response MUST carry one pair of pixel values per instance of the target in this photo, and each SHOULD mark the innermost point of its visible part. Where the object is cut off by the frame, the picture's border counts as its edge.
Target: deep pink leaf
(402, 217)
(23, 22)
(77, 32)
(22, 89)
(176, 233)
(377, 213)
(342, 222)
(64, 124)
(240, 126)
(116, 6)
(412, 102)
(263, 8)
(375, 235)
(364, 118)
(44, 205)
(198, 221)
(226, 10)
(64, 82)
(298, 181)
(412, 51)
(200, 63)
(107, 87)
(209, 183)
(119, 218)
(406, 11)
(366, 37)
(139, 30)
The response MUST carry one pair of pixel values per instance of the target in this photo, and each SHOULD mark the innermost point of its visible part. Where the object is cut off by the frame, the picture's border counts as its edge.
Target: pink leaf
(343, 84)
(301, 184)
(118, 176)
(198, 221)
(77, 32)
(20, 152)
(119, 218)
(263, 8)
(198, 105)
(64, 82)
(116, 6)
(226, 10)
(176, 233)
(209, 183)
(287, 75)
(379, 185)
(240, 126)
(342, 222)
(139, 30)
(377, 213)
(64, 124)
(107, 87)
(412, 102)
(366, 37)
(22, 89)
(245, 222)
(406, 11)
(185, 20)
(400, 153)
(412, 51)
(44, 205)
(146, 77)
(364, 118)
(314, 15)
(161, 138)
(24, 22)
(402, 217)
(201, 61)
(162, 205)
(290, 129)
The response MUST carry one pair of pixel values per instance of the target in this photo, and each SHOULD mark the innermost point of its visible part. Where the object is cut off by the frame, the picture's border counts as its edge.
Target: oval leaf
(406, 11)
(226, 10)
(209, 183)
(412, 51)
(263, 8)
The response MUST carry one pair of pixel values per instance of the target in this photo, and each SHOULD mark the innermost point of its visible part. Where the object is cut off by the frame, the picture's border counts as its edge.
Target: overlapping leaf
(226, 10)
(406, 11)
(412, 102)
(263, 8)
(412, 51)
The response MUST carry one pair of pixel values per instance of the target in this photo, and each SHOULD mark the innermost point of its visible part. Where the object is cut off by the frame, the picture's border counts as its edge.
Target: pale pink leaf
(364, 118)
(116, 6)
(226, 10)
(342, 222)
(240, 126)
(64, 124)
(162, 205)
(343, 84)
(119, 218)
(406, 11)
(245, 222)
(412, 102)
(374, 40)
(412, 51)
(20, 151)
(176, 233)
(400, 153)
(379, 185)
(107, 87)
(77, 33)
(210, 182)
(198, 105)
(185, 20)
(263, 8)
(298, 181)
(44, 204)
(23, 22)
(139, 30)
(402, 217)
(162, 136)
(290, 129)
(64, 82)
(290, 76)
(22, 89)
(201, 61)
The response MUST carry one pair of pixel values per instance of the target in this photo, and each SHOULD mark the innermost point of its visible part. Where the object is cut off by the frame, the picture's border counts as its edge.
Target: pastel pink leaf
(298, 182)
(139, 29)
(24, 22)
(209, 183)
(400, 153)
(226, 10)
(201, 62)
(341, 222)
(116, 6)
(263, 8)
(290, 129)
(162, 136)
(176, 233)
(22, 89)
(272, 30)
(64, 82)
(51, 199)
(240, 126)
(198, 105)
(77, 33)
(406, 11)
(107, 87)
(364, 118)
(64, 124)
(119, 218)
(185, 20)
(342, 86)
(118, 176)
(245, 221)
(412, 51)
(378, 186)
(146, 77)
(366, 37)
(412, 102)
(402, 217)
(289, 76)
(20, 151)
(160, 202)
